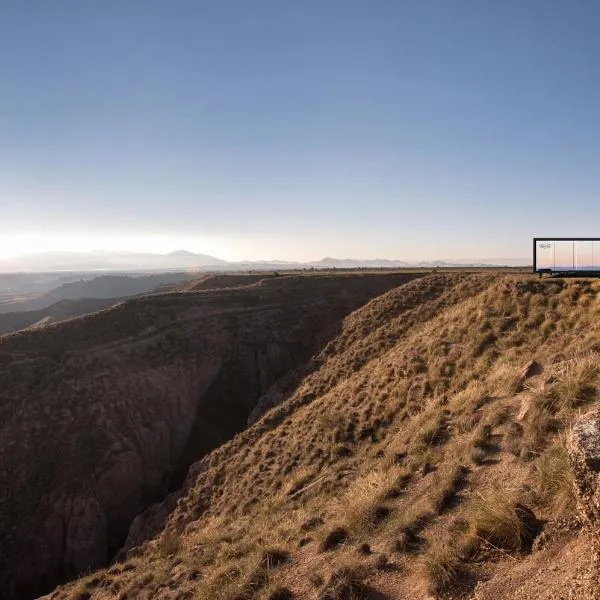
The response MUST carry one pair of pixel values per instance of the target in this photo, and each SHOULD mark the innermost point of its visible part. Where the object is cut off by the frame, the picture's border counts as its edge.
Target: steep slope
(424, 457)
(101, 415)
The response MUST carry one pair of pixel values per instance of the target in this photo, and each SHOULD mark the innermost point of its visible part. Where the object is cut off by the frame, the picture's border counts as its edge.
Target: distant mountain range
(108, 261)
(182, 259)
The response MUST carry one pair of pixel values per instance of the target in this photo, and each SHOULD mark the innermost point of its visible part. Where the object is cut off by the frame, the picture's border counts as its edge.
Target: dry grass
(169, 544)
(498, 518)
(346, 582)
(552, 479)
(371, 448)
(364, 504)
(445, 487)
(576, 384)
(506, 378)
(441, 566)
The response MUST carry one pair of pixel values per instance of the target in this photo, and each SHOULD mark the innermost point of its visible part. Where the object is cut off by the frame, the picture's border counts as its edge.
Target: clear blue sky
(288, 129)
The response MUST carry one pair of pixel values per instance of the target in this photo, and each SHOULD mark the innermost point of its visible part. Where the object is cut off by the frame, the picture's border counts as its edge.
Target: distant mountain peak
(181, 254)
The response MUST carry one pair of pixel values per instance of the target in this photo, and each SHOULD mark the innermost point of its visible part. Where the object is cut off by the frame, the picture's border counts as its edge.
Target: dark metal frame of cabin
(569, 272)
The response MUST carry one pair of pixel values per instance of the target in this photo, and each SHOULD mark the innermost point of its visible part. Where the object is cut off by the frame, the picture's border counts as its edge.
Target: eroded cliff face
(102, 415)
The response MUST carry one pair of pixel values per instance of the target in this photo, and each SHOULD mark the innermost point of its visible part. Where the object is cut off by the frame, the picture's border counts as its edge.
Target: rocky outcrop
(584, 450)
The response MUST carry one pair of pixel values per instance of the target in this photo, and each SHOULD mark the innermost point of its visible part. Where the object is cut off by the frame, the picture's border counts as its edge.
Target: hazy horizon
(98, 252)
(226, 256)
(286, 131)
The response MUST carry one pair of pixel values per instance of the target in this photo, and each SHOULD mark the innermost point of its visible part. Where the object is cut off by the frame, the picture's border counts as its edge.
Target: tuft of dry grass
(553, 483)
(506, 378)
(363, 506)
(540, 423)
(404, 530)
(441, 566)
(576, 385)
(346, 582)
(169, 544)
(433, 432)
(497, 517)
(445, 487)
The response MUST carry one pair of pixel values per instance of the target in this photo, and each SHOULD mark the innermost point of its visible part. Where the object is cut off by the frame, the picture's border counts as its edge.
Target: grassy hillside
(423, 457)
(101, 415)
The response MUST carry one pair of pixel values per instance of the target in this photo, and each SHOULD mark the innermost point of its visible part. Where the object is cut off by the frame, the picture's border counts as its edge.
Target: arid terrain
(363, 435)
(103, 414)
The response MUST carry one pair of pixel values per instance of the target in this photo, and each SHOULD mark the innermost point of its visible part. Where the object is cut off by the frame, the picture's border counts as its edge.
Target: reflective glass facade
(566, 255)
